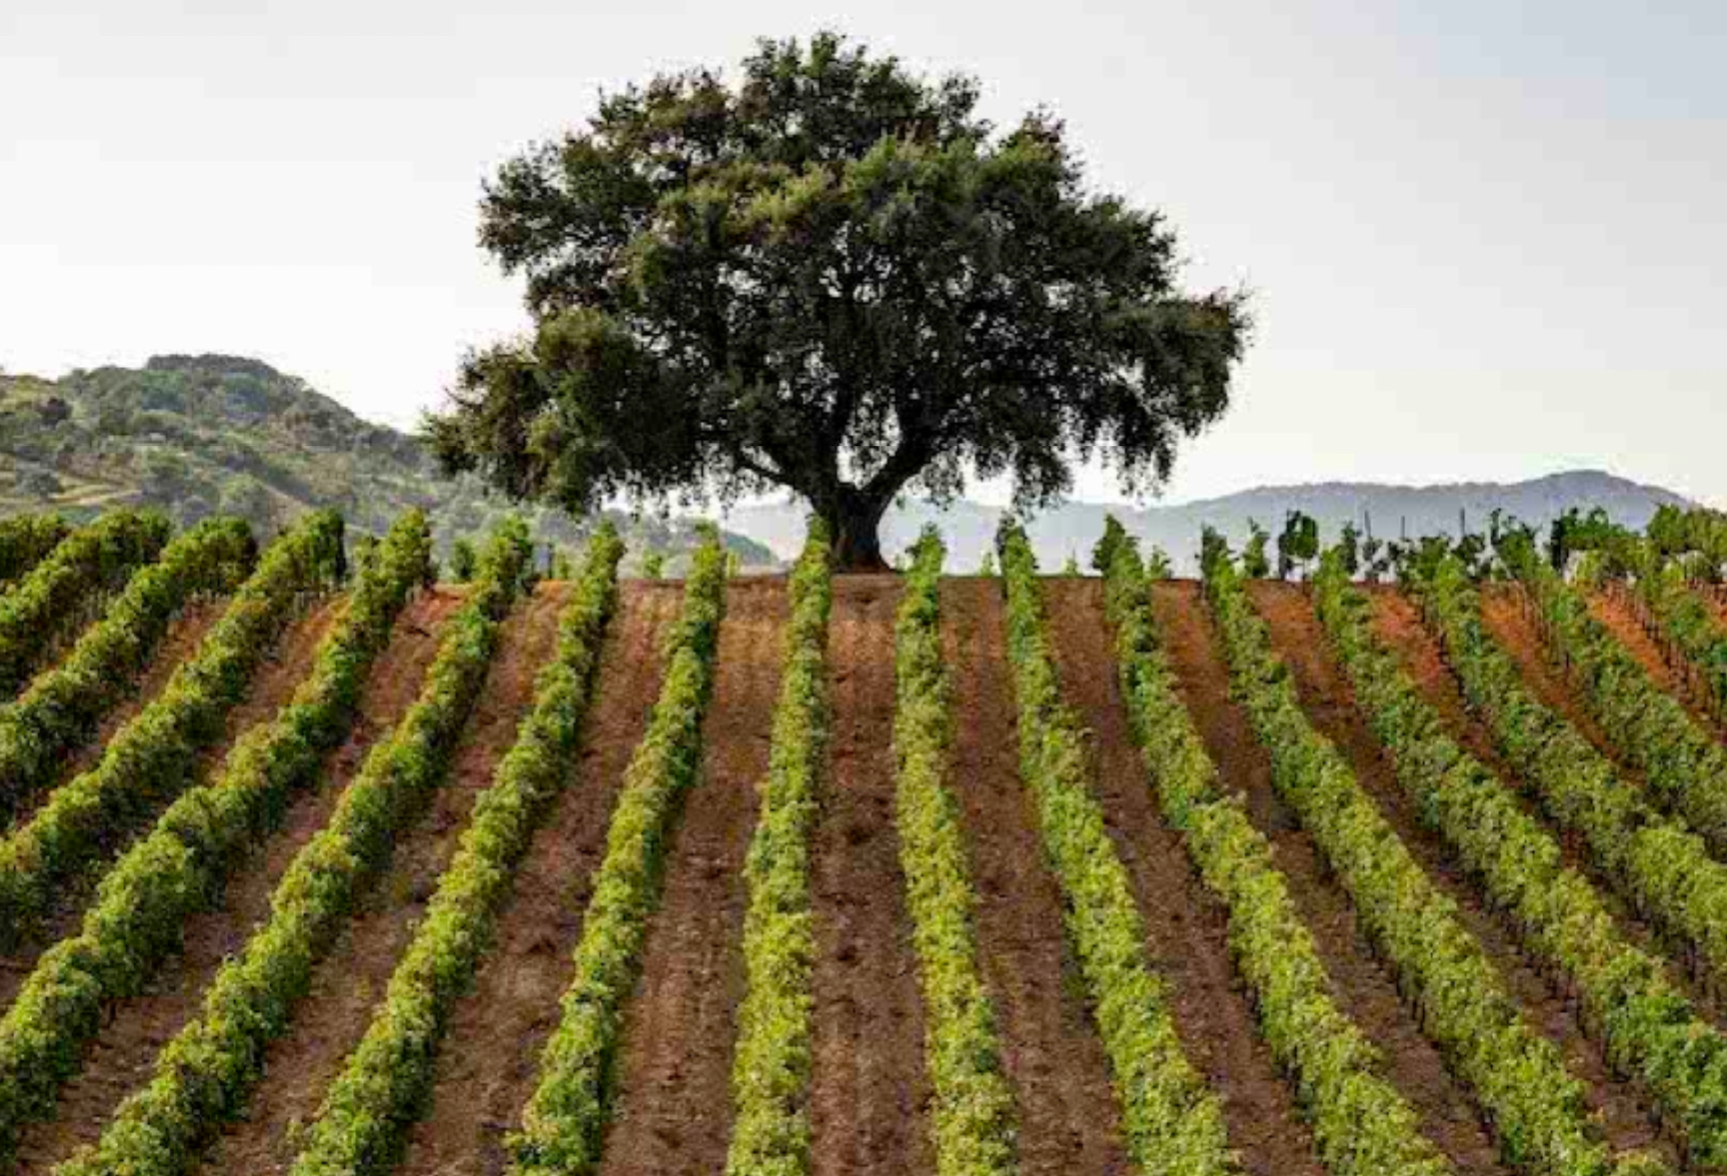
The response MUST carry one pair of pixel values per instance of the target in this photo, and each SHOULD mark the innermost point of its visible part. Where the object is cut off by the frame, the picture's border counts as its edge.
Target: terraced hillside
(347, 871)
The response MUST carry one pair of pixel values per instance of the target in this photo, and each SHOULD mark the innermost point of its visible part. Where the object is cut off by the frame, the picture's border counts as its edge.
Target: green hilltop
(196, 435)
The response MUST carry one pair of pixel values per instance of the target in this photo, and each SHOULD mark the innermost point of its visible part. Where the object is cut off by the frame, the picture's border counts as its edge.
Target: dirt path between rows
(1185, 928)
(869, 1105)
(1397, 623)
(349, 981)
(490, 1060)
(182, 639)
(1505, 620)
(674, 1104)
(1329, 701)
(1619, 615)
(1069, 1120)
(185, 632)
(126, 1050)
(1364, 988)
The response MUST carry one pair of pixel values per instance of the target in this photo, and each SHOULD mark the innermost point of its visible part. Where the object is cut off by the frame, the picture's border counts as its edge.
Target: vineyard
(1360, 859)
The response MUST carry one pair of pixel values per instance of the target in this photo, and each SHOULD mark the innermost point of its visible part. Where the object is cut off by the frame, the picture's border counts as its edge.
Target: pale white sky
(1489, 238)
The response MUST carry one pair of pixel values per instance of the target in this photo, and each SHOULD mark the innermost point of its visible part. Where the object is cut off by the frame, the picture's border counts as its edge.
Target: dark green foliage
(1172, 1122)
(383, 1087)
(463, 560)
(206, 1074)
(62, 707)
(1648, 1028)
(1297, 544)
(140, 909)
(151, 759)
(1349, 550)
(974, 1121)
(1255, 563)
(564, 1123)
(1361, 1124)
(193, 436)
(834, 277)
(25, 540)
(49, 603)
(771, 1065)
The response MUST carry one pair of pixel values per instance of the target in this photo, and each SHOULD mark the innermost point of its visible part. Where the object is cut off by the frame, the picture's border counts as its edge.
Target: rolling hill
(197, 435)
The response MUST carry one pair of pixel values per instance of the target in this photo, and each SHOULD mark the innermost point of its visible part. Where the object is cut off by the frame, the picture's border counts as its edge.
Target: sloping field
(1212, 914)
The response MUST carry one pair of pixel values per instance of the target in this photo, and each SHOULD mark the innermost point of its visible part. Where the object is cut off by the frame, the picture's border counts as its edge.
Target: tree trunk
(855, 523)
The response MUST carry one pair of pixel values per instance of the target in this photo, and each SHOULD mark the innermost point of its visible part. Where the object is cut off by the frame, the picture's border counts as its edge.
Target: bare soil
(125, 1053)
(1626, 1120)
(1363, 986)
(1397, 622)
(490, 1060)
(1186, 929)
(349, 981)
(870, 1099)
(1068, 1115)
(1621, 619)
(1507, 621)
(180, 642)
(674, 1105)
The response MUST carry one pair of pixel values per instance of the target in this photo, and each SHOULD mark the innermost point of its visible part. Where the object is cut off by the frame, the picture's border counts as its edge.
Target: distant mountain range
(201, 434)
(1391, 511)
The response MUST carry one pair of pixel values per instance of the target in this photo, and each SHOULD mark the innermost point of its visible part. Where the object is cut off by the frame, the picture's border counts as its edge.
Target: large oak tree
(833, 276)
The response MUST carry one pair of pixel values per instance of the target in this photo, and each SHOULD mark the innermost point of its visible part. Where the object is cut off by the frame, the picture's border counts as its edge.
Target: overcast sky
(1488, 238)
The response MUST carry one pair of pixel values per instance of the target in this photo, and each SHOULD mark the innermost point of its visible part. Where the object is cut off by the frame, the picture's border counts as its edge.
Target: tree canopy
(834, 277)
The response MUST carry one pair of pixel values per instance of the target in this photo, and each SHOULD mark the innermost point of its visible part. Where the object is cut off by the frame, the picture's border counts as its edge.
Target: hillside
(1276, 851)
(198, 435)
(1071, 529)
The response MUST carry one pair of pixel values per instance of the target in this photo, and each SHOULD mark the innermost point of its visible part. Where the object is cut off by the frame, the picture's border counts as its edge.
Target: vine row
(25, 541)
(152, 757)
(771, 1068)
(1662, 868)
(1648, 1028)
(62, 707)
(1649, 728)
(1519, 1078)
(48, 602)
(205, 1076)
(141, 906)
(975, 1122)
(383, 1086)
(564, 1123)
(1361, 1123)
(1172, 1122)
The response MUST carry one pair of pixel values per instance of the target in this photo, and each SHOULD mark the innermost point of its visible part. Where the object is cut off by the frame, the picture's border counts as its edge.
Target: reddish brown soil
(126, 1050)
(1068, 1115)
(1186, 930)
(350, 980)
(178, 644)
(1330, 704)
(674, 1105)
(1621, 619)
(490, 1058)
(1397, 623)
(869, 1103)
(1502, 610)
